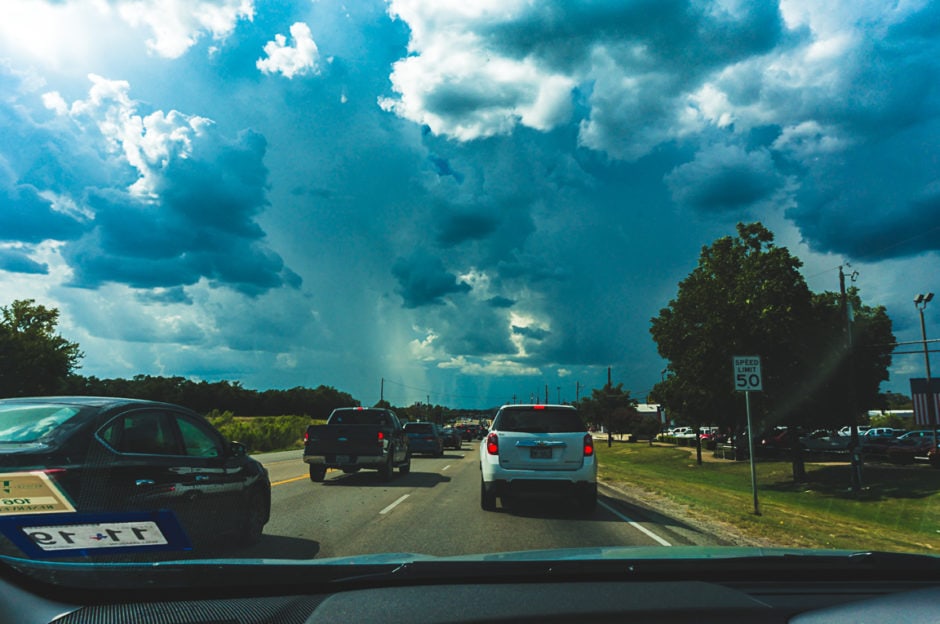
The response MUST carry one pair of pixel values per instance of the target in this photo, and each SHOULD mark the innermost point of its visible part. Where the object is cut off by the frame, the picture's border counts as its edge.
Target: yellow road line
(291, 480)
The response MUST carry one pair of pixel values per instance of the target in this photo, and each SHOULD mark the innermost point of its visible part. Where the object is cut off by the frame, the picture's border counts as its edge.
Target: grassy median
(898, 508)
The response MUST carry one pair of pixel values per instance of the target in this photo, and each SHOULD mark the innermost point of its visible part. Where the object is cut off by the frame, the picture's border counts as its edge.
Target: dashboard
(809, 601)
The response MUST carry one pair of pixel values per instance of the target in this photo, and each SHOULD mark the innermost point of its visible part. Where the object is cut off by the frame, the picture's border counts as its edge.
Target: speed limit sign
(747, 377)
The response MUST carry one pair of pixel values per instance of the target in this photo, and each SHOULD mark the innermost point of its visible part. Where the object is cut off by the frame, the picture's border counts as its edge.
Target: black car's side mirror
(237, 449)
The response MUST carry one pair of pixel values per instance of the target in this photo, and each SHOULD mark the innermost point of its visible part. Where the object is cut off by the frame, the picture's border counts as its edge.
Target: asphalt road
(435, 510)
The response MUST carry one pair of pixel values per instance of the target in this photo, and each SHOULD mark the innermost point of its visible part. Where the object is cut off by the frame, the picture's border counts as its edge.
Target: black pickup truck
(355, 438)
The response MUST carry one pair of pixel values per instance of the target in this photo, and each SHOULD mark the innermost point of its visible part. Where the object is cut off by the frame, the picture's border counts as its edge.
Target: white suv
(538, 448)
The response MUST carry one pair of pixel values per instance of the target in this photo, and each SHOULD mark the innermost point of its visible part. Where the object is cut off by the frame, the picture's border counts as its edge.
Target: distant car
(425, 438)
(538, 447)
(452, 438)
(881, 432)
(467, 432)
(140, 456)
(847, 430)
(911, 446)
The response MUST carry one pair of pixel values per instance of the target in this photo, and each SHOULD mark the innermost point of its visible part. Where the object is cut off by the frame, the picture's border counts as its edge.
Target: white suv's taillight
(492, 444)
(588, 445)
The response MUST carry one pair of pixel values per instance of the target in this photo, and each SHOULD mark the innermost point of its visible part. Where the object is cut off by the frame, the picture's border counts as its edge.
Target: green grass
(898, 509)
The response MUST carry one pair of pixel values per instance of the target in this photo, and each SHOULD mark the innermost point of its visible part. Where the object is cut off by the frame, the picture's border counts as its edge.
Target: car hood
(633, 563)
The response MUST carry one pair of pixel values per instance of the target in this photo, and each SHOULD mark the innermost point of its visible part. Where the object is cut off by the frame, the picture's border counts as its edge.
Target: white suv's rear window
(529, 420)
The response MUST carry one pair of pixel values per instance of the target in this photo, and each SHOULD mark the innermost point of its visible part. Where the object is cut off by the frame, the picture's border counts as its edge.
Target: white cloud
(495, 368)
(178, 24)
(299, 59)
(147, 142)
(460, 87)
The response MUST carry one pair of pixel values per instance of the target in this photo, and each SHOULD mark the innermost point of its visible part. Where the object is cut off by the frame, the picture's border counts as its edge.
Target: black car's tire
(406, 467)
(252, 523)
(317, 473)
(487, 498)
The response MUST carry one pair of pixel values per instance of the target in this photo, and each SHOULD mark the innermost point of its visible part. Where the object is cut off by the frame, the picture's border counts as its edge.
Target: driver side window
(141, 432)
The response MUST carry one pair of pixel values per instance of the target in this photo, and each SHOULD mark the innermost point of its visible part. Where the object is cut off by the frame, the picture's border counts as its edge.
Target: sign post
(747, 379)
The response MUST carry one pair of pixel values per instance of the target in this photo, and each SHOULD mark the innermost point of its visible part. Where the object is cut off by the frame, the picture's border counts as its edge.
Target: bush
(261, 433)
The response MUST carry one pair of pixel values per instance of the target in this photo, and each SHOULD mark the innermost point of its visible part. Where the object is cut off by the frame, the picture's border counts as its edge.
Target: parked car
(911, 446)
(881, 432)
(875, 441)
(847, 430)
(452, 438)
(141, 456)
(538, 447)
(425, 438)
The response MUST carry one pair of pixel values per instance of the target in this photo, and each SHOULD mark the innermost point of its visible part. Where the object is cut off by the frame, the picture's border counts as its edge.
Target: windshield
(641, 274)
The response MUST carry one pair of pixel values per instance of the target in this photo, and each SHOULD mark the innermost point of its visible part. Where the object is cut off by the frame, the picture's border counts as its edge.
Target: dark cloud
(870, 207)
(479, 335)
(28, 218)
(442, 168)
(424, 281)
(724, 178)
(165, 296)
(535, 333)
(500, 302)
(200, 224)
(18, 261)
(677, 32)
(457, 226)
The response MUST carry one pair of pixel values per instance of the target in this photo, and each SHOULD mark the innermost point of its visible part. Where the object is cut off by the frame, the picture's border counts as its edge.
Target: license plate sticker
(540, 453)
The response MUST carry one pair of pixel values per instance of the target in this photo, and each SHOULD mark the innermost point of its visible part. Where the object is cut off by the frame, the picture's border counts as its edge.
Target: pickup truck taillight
(492, 444)
(588, 445)
(306, 436)
(381, 436)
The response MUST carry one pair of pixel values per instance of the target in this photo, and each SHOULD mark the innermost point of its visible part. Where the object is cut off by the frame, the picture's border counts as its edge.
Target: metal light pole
(921, 301)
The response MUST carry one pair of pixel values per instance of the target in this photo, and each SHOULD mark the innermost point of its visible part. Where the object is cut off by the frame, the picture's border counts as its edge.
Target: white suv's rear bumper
(503, 478)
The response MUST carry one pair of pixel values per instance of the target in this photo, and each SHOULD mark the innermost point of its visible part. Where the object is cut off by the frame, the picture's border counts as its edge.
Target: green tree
(747, 297)
(610, 406)
(34, 359)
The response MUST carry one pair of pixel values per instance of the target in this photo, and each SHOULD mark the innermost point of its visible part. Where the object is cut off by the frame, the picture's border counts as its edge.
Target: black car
(452, 438)
(123, 456)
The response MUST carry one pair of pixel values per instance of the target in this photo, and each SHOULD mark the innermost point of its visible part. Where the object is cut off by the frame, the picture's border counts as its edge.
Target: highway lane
(436, 510)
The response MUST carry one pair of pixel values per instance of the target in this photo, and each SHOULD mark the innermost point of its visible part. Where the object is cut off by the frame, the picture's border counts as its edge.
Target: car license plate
(540, 453)
(342, 459)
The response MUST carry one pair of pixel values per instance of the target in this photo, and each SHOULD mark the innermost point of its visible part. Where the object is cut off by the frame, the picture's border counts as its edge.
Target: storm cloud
(474, 199)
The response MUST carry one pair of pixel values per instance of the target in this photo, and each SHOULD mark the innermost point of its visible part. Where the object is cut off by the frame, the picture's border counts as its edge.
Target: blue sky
(470, 200)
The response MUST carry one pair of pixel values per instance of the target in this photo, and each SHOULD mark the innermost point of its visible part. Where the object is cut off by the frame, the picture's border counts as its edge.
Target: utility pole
(855, 450)
(921, 302)
(382, 391)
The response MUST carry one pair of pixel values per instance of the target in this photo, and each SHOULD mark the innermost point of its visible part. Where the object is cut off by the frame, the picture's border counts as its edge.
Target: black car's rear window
(530, 420)
(419, 428)
(29, 423)
(360, 417)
